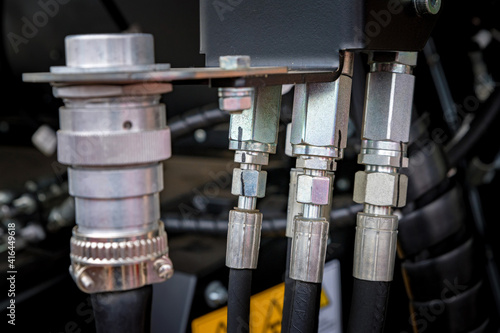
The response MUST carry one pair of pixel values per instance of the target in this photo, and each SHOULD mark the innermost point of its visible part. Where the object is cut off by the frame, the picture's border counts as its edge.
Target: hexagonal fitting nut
(235, 100)
(380, 189)
(251, 157)
(389, 100)
(232, 62)
(313, 190)
(249, 183)
(403, 58)
(259, 123)
(383, 160)
(321, 113)
(316, 162)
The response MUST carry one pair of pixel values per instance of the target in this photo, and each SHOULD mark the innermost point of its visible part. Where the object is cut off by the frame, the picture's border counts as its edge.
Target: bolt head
(164, 268)
(86, 281)
(216, 294)
(165, 271)
(428, 7)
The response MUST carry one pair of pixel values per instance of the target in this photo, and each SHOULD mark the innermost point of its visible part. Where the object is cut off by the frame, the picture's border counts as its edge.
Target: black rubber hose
(289, 287)
(203, 117)
(238, 304)
(305, 307)
(123, 311)
(486, 117)
(368, 307)
(175, 222)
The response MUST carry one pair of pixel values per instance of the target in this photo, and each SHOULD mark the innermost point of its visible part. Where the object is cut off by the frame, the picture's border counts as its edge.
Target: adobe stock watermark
(31, 26)
(426, 145)
(220, 180)
(85, 311)
(222, 7)
(377, 21)
(425, 315)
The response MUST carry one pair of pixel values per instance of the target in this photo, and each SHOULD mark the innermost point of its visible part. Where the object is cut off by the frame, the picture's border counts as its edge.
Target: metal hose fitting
(381, 187)
(114, 138)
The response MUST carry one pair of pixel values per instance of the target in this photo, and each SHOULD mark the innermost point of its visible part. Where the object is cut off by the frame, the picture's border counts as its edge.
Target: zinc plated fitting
(114, 135)
(253, 134)
(318, 136)
(381, 187)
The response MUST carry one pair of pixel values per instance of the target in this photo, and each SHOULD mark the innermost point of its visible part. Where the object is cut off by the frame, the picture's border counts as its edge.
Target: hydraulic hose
(203, 117)
(289, 285)
(123, 311)
(217, 226)
(304, 307)
(275, 226)
(239, 292)
(368, 307)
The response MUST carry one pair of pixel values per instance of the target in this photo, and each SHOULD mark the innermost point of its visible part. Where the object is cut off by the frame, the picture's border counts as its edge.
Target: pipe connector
(243, 239)
(375, 247)
(309, 249)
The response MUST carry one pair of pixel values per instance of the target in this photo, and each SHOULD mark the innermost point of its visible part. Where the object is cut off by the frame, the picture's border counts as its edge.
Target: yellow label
(265, 313)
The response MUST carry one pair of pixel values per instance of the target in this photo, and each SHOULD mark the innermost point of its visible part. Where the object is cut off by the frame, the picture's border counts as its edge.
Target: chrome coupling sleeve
(309, 249)
(375, 247)
(243, 239)
(114, 138)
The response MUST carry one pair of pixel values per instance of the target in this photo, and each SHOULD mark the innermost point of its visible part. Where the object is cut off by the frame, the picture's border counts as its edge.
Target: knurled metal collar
(118, 251)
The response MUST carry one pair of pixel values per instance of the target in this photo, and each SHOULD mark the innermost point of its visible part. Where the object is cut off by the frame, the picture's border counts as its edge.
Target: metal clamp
(107, 263)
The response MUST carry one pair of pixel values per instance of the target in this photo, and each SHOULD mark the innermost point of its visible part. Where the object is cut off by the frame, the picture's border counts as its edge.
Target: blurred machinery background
(446, 269)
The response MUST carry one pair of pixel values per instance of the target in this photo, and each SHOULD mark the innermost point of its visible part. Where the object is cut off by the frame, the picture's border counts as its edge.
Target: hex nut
(404, 58)
(316, 163)
(313, 190)
(383, 160)
(321, 113)
(235, 100)
(380, 189)
(251, 157)
(389, 100)
(260, 122)
(235, 104)
(249, 183)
